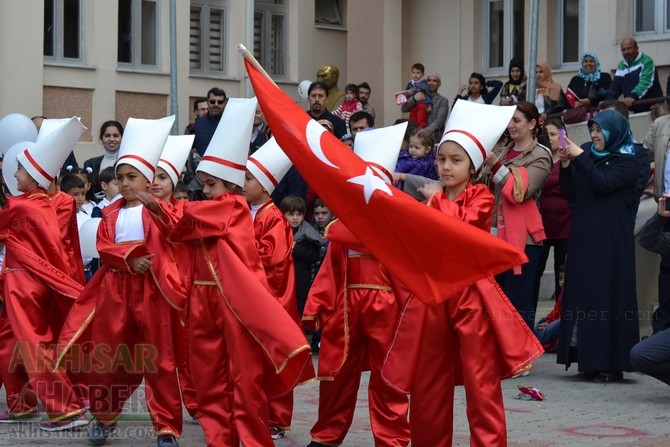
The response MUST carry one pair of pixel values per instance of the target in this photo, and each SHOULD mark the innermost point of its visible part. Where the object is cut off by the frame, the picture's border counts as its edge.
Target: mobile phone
(561, 138)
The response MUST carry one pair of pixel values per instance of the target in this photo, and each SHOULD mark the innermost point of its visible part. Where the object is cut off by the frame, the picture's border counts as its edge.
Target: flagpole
(252, 60)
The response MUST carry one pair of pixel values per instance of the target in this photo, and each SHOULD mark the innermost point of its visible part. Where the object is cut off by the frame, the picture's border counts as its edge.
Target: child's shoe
(7, 417)
(76, 421)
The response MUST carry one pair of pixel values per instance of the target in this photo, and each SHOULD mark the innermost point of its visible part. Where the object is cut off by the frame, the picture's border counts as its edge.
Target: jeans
(651, 356)
(550, 333)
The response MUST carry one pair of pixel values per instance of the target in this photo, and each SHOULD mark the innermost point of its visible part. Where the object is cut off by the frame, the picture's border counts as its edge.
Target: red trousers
(132, 337)
(457, 346)
(227, 371)
(32, 317)
(419, 114)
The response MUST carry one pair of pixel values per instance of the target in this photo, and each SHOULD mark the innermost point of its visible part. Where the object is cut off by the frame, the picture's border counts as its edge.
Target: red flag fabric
(571, 97)
(432, 254)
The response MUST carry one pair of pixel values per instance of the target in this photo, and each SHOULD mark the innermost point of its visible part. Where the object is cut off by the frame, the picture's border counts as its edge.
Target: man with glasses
(200, 109)
(205, 127)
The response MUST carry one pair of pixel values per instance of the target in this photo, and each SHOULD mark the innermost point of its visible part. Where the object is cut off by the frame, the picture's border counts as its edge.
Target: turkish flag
(432, 254)
(571, 97)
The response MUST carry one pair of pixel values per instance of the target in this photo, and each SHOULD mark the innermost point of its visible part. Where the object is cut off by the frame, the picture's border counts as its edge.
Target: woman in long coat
(599, 298)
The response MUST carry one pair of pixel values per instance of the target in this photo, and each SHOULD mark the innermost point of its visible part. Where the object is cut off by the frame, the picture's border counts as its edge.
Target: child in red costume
(274, 241)
(37, 288)
(475, 337)
(236, 327)
(353, 300)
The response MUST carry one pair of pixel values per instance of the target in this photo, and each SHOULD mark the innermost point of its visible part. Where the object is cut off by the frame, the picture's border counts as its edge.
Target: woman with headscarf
(586, 89)
(514, 90)
(549, 96)
(599, 325)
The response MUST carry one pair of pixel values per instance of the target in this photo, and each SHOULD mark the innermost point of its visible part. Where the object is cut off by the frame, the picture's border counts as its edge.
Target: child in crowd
(547, 329)
(477, 89)
(235, 327)
(417, 84)
(457, 340)
(350, 104)
(307, 243)
(180, 192)
(110, 188)
(73, 185)
(322, 217)
(419, 158)
(353, 299)
(274, 240)
(348, 139)
(38, 289)
(84, 174)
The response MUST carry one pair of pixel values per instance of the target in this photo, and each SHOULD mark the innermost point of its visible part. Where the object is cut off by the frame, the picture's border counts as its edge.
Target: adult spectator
(600, 269)
(514, 90)
(477, 89)
(549, 98)
(260, 132)
(329, 75)
(438, 114)
(364, 96)
(200, 109)
(205, 127)
(516, 173)
(360, 121)
(657, 142)
(111, 133)
(317, 98)
(586, 89)
(636, 77)
(651, 356)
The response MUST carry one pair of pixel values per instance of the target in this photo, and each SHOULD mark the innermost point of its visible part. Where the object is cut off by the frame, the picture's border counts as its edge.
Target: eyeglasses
(217, 101)
(201, 109)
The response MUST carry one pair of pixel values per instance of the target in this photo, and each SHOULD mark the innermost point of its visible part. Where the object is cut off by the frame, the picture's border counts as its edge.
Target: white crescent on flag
(313, 133)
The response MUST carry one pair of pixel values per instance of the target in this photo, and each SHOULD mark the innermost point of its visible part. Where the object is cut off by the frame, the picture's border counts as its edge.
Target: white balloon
(15, 128)
(303, 87)
(88, 234)
(10, 165)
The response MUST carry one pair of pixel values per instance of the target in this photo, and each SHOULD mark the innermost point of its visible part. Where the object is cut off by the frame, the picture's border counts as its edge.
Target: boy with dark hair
(419, 113)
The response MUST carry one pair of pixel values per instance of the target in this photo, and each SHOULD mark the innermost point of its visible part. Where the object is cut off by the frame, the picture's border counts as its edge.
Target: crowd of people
(225, 271)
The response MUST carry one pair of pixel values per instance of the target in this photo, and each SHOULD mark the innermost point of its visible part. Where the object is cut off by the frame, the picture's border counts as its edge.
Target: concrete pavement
(585, 414)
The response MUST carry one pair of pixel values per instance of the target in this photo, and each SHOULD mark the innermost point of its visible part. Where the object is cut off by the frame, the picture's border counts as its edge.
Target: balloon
(10, 165)
(303, 87)
(88, 234)
(15, 128)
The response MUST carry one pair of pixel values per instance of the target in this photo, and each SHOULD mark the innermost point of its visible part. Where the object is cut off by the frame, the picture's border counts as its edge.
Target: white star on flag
(370, 184)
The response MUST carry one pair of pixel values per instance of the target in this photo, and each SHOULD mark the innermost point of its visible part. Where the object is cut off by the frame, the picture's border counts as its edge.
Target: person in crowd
(359, 122)
(200, 109)
(180, 193)
(549, 98)
(656, 142)
(350, 104)
(364, 92)
(111, 133)
(307, 244)
(514, 90)
(206, 126)
(419, 158)
(556, 213)
(455, 342)
(636, 78)
(516, 174)
(651, 356)
(548, 327)
(74, 186)
(477, 89)
(438, 115)
(260, 132)
(348, 139)
(317, 98)
(600, 269)
(422, 107)
(586, 89)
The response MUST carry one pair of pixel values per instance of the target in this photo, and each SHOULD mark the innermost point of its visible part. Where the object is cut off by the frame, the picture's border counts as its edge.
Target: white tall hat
(142, 144)
(49, 125)
(269, 164)
(227, 152)
(477, 128)
(381, 148)
(43, 159)
(174, 155)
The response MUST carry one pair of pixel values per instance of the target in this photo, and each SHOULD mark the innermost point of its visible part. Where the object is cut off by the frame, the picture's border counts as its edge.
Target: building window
(330, 13)
(62, 30)
(270, 35)
(651, 17)
(505, 37)
(138, 33)
(569, 31)
(207, 37)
